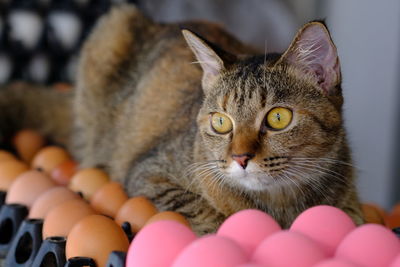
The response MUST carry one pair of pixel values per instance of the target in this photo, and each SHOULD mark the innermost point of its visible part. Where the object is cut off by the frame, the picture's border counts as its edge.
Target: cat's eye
(221, 123)
(279, 118)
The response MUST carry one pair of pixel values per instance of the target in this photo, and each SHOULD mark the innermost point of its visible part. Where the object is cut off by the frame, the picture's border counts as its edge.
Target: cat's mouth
(253, 177)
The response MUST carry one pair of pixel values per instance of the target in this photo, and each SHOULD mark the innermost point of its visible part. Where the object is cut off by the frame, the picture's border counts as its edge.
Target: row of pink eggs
(321, 236)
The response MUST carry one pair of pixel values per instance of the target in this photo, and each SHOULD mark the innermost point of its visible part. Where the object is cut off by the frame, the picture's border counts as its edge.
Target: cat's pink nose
(243, 159)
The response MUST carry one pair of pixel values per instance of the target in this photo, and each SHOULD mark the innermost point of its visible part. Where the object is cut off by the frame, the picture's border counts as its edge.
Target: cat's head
(271, 119)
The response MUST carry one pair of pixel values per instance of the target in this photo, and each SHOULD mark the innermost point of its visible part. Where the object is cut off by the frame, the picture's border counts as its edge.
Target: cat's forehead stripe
(261, 84)
(246, 84)
(263, 99)
(254, 84)
(225, 102)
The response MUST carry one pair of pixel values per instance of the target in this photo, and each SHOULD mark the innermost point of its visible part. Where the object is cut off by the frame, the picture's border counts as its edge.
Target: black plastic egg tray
(21, 242)
(45, 53)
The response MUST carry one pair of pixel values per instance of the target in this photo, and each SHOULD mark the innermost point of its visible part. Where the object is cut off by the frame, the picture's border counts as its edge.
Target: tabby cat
(201, 127)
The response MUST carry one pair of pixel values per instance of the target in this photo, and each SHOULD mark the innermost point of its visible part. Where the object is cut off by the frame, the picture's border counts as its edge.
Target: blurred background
(40, 42)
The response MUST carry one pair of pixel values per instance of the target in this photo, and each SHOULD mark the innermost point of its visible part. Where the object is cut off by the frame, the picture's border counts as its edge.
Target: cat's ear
(207, 56)
(313, 51)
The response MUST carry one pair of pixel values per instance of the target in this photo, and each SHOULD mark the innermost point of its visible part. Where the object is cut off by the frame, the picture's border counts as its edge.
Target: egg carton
(22, 238)
(40, 39)
(21, 242)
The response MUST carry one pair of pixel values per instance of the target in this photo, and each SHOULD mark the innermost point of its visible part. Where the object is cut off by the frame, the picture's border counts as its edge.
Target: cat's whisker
(198, 170)
(319, 162)
(316, 165)
(197, 164)
(202, 167)
(315, 168)
(335, 161)
(202, 174)
(195, 167)
(195, 175)
(286, 179)
(298, 184)
(312, 181)
(288, 174)
(211, 183)
(216, 181)
(205, 172)
(202, 170)
(220, 177)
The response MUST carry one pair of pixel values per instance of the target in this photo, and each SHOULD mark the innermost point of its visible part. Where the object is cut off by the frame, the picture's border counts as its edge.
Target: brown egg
(49, 200)
(396, 208)
(96, 236)
(9, 170)
(63, 173)
(27, 187)
(5, 155)
(62, 87)
(49, 157)
(379, 209)
(60, 220)
(109, 198)
(372, 214)
(88, 181)
(169, 216)
(392, 220)
(137, 211)
(27, 143)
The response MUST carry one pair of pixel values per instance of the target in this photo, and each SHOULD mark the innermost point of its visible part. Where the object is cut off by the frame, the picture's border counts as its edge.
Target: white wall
(367, 34)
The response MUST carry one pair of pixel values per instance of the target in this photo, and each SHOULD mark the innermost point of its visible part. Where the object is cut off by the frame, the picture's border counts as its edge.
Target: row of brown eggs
(46, 180)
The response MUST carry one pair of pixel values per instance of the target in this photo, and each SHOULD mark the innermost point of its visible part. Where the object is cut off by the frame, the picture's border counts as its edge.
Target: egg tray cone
(11, 217)
(2, 198)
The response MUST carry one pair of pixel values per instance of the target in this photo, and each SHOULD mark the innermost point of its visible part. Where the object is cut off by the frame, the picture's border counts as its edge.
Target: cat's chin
(252, 178)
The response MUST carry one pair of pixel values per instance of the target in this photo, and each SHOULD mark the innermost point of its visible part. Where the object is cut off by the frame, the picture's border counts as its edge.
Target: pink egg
(324, 224)
(335, 263)
(369, 245)
(289, 249)
(395, 262)
(248, 228)
(251, 265)
(211, 250)
(158, 244)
